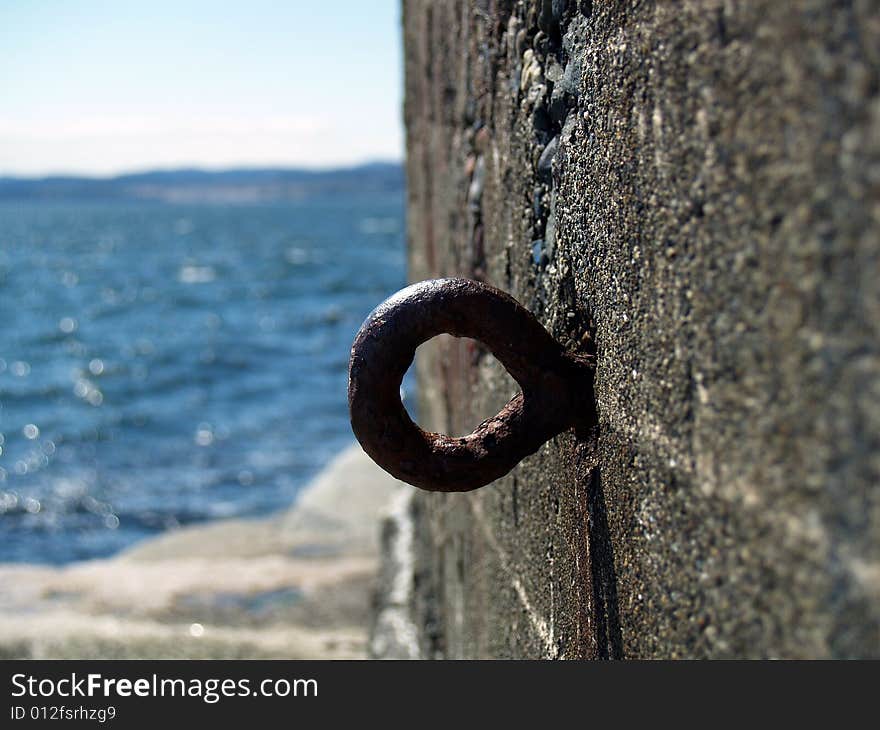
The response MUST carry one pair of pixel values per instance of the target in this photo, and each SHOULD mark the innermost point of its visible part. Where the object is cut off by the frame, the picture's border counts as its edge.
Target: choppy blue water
(163, 365)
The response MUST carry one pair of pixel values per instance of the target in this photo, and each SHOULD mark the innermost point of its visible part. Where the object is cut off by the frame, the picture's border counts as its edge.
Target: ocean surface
(162, 365)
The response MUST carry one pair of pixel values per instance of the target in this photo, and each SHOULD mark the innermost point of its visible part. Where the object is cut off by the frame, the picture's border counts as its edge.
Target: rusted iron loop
(557, 386)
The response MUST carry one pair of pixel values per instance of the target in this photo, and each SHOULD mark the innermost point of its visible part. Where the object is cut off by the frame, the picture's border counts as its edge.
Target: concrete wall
(691, 188)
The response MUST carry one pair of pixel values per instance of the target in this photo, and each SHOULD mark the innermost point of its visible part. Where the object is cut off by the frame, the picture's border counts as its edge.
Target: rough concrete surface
(691, 189)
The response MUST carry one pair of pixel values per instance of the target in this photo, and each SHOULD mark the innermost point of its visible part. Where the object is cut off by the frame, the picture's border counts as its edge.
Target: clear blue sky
(100, 87)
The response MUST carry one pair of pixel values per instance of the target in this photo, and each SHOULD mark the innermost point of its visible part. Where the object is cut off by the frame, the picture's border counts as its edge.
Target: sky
(104, 87)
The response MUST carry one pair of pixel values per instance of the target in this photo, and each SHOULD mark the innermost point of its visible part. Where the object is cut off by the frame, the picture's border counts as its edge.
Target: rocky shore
(297, 585)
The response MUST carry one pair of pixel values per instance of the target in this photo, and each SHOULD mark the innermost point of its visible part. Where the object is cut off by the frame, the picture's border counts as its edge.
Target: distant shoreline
(239, 185)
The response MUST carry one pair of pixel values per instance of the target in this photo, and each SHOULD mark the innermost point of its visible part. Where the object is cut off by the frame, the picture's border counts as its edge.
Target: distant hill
(201, 186)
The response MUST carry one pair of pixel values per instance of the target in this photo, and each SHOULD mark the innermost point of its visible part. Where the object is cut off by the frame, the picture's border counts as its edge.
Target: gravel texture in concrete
(693, 190)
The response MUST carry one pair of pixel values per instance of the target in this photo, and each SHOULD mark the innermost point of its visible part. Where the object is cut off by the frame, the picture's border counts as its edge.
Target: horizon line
(209, 169)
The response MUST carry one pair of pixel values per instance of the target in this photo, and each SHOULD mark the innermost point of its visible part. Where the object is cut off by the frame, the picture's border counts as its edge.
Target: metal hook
(557, 386)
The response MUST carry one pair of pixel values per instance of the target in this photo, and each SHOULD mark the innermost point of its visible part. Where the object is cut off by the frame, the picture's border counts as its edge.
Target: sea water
(162, 365)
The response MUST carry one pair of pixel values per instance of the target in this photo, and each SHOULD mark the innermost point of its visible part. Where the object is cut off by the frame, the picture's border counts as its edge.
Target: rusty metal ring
(556, 385)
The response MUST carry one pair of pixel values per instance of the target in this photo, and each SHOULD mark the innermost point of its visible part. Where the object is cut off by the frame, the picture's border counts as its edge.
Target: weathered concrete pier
(692, 190)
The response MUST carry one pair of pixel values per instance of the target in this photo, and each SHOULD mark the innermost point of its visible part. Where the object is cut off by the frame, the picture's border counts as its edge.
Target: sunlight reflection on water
(163, 365)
